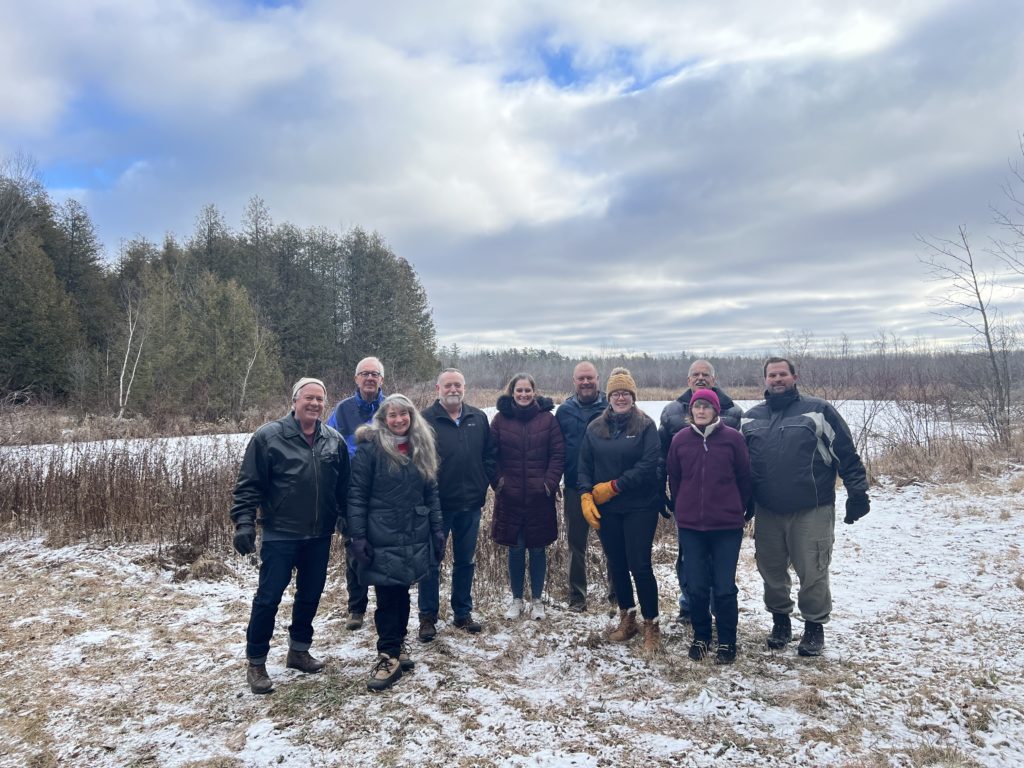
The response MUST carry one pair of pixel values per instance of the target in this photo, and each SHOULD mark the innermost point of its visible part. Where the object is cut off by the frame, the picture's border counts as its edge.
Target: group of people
(396, 483)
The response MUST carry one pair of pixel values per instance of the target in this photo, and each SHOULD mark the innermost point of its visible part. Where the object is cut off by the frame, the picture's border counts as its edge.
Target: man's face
(700, 377)
(369, 379)
(778, 379)
(584, 378)
(309, 405)
(451, 390)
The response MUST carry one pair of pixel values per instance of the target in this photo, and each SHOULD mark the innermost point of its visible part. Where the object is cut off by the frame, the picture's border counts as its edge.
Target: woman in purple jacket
(709, 477)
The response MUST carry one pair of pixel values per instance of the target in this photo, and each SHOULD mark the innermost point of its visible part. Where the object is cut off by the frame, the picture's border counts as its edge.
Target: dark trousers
(358, 594)
(577, 533)
(277, 559)
(391, 617)
(464, 528)
(720, 550)
(627, 540)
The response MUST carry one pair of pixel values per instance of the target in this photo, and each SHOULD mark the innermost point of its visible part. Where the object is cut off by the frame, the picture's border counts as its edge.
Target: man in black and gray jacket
(798, 445)
(676, 416)
(295, 473)
(467, 466)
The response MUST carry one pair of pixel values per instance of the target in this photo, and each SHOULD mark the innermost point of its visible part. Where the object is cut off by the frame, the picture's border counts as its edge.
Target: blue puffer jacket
(351, 413)
(798, 445)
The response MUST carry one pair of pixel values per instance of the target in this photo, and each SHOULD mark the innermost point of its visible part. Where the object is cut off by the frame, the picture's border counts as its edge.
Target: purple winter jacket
(709, 477)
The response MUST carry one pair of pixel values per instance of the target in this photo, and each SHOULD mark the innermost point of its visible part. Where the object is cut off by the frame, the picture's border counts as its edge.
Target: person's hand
(590, 513)
(245, 539)
(857, 505)
(667, 508)
(605, 492)
(438, 540)
(362, 552)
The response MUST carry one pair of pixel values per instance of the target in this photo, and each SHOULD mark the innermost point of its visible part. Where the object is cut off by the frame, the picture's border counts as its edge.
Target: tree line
(207, 326)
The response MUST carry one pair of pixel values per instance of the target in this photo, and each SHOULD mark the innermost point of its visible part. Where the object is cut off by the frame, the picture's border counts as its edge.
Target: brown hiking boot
(468, 624)
(355, 621)
(652, 635)
(302, 661)
(627, 626)
(428, 627)
(258, 679)
(384, 673)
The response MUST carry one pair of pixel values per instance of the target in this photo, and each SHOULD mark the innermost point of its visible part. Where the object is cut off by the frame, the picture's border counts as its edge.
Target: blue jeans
(277, 559)
(720, 550)
(464, 527)
(684, 599)
(517, 568)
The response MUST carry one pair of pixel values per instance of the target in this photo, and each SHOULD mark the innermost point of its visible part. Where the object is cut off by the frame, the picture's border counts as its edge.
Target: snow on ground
(108, 662)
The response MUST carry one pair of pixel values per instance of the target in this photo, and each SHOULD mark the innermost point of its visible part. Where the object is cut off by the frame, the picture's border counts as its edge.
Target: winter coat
(466, 454)
(709, 477)
(531, 457)
(797, 446)
(352, 413)
(394, 508)
(574, 417)
(626, 452)
(298, 489)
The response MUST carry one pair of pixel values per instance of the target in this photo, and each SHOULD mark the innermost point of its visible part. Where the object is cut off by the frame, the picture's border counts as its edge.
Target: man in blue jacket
(586, 404)
(798, 444)
(350, 414)
(295, 473)
(467, 459)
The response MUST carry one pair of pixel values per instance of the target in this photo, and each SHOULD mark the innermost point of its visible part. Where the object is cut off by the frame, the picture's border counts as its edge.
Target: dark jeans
(577, 534)
(722, 550)
(684, 598)
(391, 617)
(464, 527)
(358, 594)
(627, 540)
(517, 568)
(277, 559)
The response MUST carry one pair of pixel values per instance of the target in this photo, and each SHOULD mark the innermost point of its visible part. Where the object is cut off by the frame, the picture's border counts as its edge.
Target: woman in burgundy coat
(531, 456)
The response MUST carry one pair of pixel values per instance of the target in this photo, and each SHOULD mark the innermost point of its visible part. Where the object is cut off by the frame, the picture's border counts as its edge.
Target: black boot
(782, 631)
(813, 641)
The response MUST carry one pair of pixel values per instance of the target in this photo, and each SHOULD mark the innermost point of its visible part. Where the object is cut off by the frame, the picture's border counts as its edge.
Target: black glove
(245, 538)
(748, 515)
(362, 552)
(667, 507)
(437, 539)
(857, 505)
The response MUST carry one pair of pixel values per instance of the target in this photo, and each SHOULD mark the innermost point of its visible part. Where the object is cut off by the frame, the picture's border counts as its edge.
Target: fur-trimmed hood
(365, 433)
(507, 405)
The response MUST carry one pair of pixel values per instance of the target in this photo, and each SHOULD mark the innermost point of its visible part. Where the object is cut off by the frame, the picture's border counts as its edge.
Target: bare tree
(136, 338)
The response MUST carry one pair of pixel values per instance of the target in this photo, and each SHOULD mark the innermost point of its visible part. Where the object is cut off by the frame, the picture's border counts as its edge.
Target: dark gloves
(857, 505)
(667, 507)
(437, 540)
(245, 538)
(362, 552)
(751, 506)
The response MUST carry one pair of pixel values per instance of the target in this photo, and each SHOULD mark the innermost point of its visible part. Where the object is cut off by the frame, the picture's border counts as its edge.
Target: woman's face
(701, 413)
(523, 392)
(621, 400)
(398, 421)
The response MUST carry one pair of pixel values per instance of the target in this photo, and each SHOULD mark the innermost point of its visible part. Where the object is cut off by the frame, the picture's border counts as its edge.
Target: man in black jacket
(467, 466)
(295, 472)
(798, 444)
(676, 416)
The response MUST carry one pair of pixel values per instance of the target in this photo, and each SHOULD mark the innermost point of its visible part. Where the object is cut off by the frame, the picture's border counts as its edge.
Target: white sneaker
(516, 609)
(537, 611)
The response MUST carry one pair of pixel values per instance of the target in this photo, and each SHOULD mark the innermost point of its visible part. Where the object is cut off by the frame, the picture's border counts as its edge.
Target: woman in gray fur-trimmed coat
(394, 519)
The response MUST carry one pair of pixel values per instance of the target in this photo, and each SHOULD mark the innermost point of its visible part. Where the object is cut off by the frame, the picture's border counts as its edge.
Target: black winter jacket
(394, 508)
(626, 454)
(574, 417)
(797, 446)
(298, 489)
(466, 454)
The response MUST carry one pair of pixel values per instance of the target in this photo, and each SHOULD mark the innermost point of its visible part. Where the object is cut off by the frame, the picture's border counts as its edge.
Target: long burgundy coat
(531, 455)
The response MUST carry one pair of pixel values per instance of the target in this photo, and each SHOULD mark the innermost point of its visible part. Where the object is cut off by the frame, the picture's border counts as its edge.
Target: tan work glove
(604, 492)
(590, 513)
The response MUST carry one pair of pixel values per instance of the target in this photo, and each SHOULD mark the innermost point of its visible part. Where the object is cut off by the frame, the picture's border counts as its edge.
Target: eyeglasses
(620, 395)
(370, 374)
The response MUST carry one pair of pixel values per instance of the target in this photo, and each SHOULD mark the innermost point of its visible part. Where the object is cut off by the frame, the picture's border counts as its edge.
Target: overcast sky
(575, 175)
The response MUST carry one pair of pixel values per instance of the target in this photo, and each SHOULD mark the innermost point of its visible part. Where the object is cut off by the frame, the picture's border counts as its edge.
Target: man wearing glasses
(350, 414)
